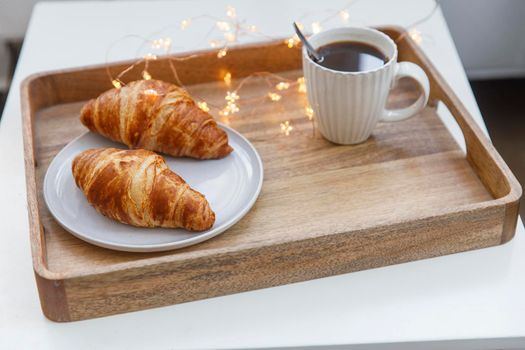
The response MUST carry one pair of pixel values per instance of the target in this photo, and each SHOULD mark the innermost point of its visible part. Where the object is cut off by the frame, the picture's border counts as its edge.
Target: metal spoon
(315, 55)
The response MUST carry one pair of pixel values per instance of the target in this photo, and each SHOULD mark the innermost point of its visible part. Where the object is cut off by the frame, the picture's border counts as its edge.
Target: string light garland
(228, 31)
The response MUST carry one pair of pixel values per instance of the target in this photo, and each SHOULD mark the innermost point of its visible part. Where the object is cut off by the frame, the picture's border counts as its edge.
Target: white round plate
(231, 186)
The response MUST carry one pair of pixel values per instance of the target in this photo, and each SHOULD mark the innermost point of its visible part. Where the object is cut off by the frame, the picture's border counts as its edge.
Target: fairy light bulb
(309, 112)
(185, 23)
(416, 36)
(222, 52)
(230, 36)
(167, 43)
(155, 44)
(282, 86)
(146, 75)
(274, 96)
(227, 78)
(116, 83)
(231, 12)
(231, 96)
(252, 28)
(231, 106)
(301, 85)
(316, 27)
(224, 26)
(292, 41)
(286, 128)
(150, 56)
(204, 106)
(344, 15)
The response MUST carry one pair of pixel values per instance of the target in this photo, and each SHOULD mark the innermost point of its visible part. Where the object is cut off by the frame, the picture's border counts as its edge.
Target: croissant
(157, 116)
(136, 187)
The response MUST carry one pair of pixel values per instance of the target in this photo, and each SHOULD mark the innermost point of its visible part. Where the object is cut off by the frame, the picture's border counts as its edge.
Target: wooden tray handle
(491, 168)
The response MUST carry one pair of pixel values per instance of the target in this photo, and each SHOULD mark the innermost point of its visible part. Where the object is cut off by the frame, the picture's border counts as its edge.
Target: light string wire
(231, 29)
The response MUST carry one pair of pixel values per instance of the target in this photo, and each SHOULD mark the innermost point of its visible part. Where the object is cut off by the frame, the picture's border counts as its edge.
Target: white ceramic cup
(348, 105)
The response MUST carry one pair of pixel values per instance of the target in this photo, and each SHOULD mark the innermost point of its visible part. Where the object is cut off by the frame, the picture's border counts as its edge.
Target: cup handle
(410, 70)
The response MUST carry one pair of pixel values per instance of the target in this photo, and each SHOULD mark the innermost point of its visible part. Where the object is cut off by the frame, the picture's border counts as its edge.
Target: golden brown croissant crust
(136, 187)
(157, 116)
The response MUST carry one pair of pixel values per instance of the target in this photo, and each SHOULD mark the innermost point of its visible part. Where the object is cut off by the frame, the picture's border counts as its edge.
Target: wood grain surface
(407, 193)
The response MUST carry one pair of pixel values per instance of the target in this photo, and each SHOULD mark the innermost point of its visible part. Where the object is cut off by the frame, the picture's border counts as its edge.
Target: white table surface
(473, 300)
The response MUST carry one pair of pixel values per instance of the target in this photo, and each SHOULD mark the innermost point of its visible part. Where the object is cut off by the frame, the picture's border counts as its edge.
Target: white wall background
(14, 16)
(489, 34)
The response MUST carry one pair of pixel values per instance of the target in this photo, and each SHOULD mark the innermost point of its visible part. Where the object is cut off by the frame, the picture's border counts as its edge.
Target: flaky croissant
(157, 116)
(136, 187)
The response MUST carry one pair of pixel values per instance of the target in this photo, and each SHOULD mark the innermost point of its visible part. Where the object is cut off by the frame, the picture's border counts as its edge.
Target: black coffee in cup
(351, 56)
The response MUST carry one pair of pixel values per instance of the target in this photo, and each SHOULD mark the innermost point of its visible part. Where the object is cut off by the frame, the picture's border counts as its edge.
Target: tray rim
(507, 203)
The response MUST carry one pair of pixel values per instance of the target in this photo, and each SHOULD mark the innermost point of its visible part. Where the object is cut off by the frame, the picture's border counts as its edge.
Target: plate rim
(150, 248)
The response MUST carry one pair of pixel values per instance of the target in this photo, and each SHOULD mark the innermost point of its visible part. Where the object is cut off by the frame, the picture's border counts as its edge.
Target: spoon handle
(309, 47)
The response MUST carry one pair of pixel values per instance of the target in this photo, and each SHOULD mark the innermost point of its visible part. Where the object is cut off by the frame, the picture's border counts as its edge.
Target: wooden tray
(408, 193)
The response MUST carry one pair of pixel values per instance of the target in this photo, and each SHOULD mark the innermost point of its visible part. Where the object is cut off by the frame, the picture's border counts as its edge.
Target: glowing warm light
(204, 106)
(231, 96)
(274, 97)
(252, 28)
(282, 86)
(158, 43)
(309, 112)
(116, 83)
(213, 43)
(227, 79)
(155, 44)
(146, 75)
(230, 36)
(150, 56)
(344, 15)
(224, 26)
(286, 128)
(230, 12)
(167, 43)
(184, 23)
(231, 106)
(293, 41)
(301, 85)
(316, 27)
(416, 36)
(222, 52)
